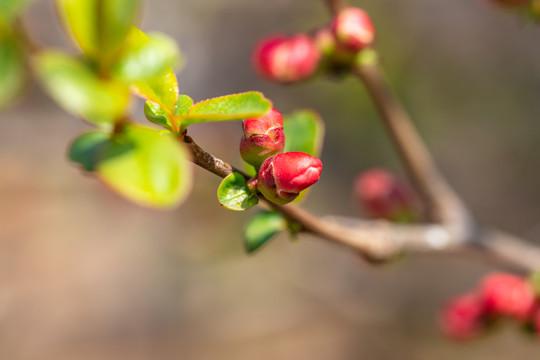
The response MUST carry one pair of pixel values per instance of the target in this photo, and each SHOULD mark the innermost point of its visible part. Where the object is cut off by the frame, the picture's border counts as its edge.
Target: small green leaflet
(12, 68)
(100, 27)
(228, 107)
(234, 193)
(304, 131)
(146, 166)
(77, 88)
(86, 149)
(261, 228)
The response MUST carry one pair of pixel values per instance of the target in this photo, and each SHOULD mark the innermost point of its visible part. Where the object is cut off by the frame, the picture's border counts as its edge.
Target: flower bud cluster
(384, 196)
(499, 295)
(281, 176)
(289, 59)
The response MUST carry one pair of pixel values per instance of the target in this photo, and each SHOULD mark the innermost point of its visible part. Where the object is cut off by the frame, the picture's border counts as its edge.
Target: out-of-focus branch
(382, 240)
(335, 5)
(441, 202)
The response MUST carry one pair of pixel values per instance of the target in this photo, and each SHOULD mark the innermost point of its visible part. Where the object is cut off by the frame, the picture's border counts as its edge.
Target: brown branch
(440, 200)
(382, 240)
(334, 6)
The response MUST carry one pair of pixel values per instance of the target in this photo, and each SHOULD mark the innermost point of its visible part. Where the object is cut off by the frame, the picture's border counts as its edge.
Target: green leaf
(304, 131)
(229, 107)
(183, 105)
(234, 193)
(11, 8)
(80, 90)
(86, 149)
(261, 228)
(157, 115)
(145, 57)
(12, 69)
(162, 88)
(146, 166)
(98, 26)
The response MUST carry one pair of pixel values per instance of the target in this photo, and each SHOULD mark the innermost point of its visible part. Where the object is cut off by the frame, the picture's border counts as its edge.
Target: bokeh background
(87, 275)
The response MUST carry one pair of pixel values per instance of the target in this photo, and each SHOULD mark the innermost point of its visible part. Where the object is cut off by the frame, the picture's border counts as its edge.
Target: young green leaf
(234, 193)
(99, 26)
(304, 131)
(147, 167)
(261, 228)
(11, 8)
(157, 115)
(145, 57)
(183, 105)
(86, 149)
(230, 107)
(12, 71)
(162, 87)
(80, 90)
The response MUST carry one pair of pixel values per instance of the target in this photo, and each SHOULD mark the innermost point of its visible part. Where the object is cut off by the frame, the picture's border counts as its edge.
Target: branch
(334, 6)
(380, 240)
(440, 200)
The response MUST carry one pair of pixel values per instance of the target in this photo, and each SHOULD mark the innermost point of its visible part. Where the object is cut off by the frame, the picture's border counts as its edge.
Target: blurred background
(86, 275)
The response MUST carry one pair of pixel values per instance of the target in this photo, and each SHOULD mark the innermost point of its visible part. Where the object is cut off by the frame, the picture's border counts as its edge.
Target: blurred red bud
(353, 29)
(286, 59)
(510, 295)
(384, 196)
(283, 176)
(463, 317)
(263, 137)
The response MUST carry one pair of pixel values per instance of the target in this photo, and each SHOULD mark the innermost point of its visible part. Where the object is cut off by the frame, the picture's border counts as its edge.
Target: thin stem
(382, 240)
(334, 6)
(440, 200)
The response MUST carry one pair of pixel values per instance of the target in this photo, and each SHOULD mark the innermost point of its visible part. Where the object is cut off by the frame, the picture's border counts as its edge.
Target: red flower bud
(463, 317)
(510, 295)
(353, 29)
(285, 59)
(263, 137)
(384, 196)
(283, 176)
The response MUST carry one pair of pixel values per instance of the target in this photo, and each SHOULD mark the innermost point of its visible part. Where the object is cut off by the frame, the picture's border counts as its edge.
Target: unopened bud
(263, 137)
(384, 196)
(283, 176)
(286, 59)
(353, 29)
(509, 295)
(463, 317)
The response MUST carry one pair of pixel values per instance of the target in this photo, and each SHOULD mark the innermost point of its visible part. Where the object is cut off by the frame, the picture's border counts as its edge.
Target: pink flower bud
(263, 137)
(286, 59)
(510, 295)
(283, 176)
(384, 196)
(353, 29)
(463, 317)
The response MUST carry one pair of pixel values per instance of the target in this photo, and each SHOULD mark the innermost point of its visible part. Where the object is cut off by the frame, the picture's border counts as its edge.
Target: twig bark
(381, 240)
